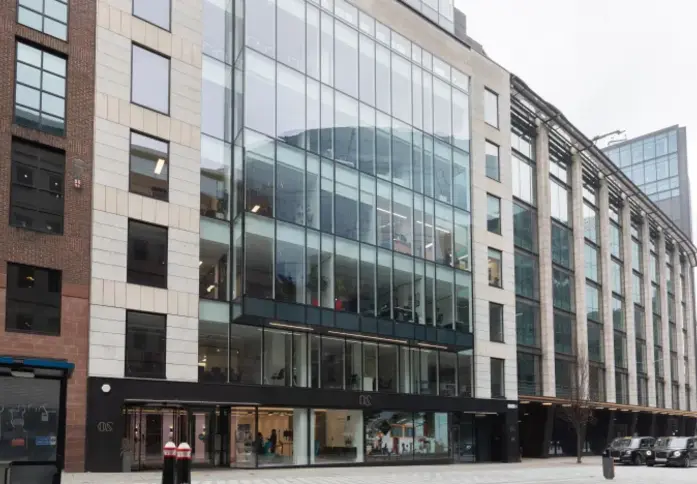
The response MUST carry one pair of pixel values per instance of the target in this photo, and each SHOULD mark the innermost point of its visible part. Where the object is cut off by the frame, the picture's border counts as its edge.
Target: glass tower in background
(657, 163)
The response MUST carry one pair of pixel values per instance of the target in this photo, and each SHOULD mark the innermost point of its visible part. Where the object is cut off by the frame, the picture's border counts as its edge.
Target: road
(562, 470)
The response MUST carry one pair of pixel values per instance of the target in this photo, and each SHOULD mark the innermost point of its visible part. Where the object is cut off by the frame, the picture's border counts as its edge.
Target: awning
(32, 364)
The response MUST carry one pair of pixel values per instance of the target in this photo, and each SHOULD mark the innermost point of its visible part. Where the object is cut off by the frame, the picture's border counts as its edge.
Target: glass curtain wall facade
(594, 295)
(335, 176)
(562, 267)
(526, 257)
(657, 164)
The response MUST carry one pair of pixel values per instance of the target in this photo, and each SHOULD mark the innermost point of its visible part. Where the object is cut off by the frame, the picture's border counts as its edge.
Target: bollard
(183, 464)
(170, 458)
(608, 465)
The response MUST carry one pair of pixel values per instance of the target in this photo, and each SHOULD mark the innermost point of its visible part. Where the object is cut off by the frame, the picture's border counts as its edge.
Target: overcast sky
(606, 64)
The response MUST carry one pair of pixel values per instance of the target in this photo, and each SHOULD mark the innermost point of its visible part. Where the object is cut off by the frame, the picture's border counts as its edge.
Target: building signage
(105, 426)
(365, 400)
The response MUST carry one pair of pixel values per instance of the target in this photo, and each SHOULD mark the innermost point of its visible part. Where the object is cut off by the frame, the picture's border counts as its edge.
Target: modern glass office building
(333, 319)
(657, 163)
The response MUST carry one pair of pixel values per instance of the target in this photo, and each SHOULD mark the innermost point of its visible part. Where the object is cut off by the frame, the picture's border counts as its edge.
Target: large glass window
(216, 167)
(260, 92)
(527, 323)
(593, 305)
(493, 214)
(147, 254)
(617, 313)
(560, 201)
(492, 161)
(33, 299)
(591, 262)
(496, 322)
(523, 179)
(146, 345)
(40, 89)
(595, 342)
(149, 167)
(562, 246)
(48, 16)
(213, 339)
(37, 191)
(563, 333)
(529, 381)
(495, 268)
(590, 223)
(562, 289)
(491, 108)
(524, 227)
(245, 354)
(616, 277)
(156, 12)
(526, 275)
(498, 378)
(338, 435)
(150, 79)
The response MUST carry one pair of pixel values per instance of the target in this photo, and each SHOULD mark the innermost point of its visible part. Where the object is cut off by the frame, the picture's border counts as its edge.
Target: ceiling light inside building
(160, 165)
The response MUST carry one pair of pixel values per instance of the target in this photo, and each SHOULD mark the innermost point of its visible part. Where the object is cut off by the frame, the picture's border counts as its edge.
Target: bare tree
(578, 410)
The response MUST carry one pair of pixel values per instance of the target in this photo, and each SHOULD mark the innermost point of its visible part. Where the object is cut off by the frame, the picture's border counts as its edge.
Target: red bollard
(170, 458)
(183, 464)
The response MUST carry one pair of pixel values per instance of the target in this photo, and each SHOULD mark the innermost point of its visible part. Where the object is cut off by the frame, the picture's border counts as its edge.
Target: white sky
(606, 64)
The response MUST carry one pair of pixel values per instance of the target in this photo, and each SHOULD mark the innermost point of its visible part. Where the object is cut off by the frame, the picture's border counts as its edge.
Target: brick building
(46, 137)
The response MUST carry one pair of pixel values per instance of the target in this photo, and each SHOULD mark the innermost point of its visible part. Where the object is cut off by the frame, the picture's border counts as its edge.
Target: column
(648, 310)
(665, 329)
(679, 340)
(689, 321)
(604, 257)
(628, 276)
(544, 237)
(579, 269)
(300, 355)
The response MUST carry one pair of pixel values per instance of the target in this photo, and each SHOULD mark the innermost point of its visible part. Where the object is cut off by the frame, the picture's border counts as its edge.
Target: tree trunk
(579, 448)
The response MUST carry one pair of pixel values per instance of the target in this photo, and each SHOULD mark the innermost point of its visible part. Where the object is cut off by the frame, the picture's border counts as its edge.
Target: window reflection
(213, 351)
(216, 166)
(213, 270)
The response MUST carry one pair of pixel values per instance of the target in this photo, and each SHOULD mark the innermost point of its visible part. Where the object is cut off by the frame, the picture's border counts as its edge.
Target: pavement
(530, 471)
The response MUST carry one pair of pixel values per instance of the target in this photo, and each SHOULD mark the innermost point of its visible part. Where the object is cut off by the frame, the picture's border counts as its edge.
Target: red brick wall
(69, 252)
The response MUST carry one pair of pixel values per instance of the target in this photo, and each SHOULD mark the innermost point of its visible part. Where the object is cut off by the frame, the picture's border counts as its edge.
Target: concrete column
(648, 310)
(300, 436)
(544, 237)
(604, 257)
(579, 267)
(628, 283)
(679, 323)
(665, 325)
(689, 321)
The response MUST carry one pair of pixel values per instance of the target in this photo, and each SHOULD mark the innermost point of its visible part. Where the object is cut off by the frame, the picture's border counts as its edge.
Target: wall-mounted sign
(105, 426)
(365, 400)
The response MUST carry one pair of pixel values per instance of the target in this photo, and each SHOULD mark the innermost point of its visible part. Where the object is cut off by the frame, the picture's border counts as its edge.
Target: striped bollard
(184, 463)
(170, 457)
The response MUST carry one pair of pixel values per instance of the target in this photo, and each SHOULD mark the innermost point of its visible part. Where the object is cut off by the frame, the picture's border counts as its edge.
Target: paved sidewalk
(530, 471)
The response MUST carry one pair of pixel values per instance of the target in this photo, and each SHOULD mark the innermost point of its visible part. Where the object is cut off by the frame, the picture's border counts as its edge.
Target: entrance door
(462, 438)
(147, 430)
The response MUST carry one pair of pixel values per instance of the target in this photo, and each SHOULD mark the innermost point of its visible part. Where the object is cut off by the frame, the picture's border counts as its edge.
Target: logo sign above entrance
(365, 400)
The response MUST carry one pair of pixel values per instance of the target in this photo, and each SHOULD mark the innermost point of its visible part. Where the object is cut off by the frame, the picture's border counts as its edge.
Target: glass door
(147, 430)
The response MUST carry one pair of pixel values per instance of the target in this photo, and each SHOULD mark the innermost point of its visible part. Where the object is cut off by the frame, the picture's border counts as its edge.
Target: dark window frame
(44, 16)
(42, 153)
(496, 334)
(130, 273)
(500, 271)
(498, 161)
(128, 372)
(14, 296)
(40, 126)
(502, 371)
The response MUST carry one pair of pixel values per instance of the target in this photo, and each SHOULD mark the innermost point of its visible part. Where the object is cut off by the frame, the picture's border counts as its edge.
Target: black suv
(630, 450)
(677, 451)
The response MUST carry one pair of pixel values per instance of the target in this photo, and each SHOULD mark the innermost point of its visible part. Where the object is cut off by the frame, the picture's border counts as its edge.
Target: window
(562, 290)
(492, 161)
(523, 179)
(496, 322)
(563, 333)
(495, 270)
(33, 299)
(150, 80)
(526, 276)
(37, 188)
(48, 16)
(524, 227)
(560, 202)
(40, 90)
(491, 108)
(493, 205)
(156, 12)
(146, 345)
(497, 378)
(149, 167)
(147, 254)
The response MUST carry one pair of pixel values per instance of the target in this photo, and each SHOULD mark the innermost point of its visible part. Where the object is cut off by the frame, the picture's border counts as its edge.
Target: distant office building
(657, 163)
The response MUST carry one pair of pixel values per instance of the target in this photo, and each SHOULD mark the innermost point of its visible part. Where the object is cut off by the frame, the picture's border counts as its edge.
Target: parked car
(676, 451)
(630, 450)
